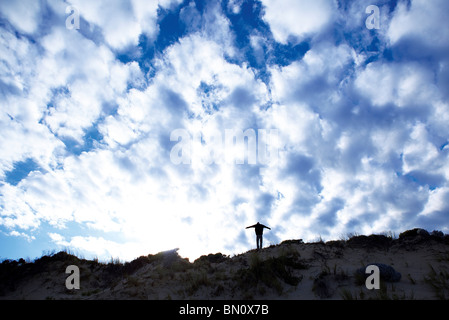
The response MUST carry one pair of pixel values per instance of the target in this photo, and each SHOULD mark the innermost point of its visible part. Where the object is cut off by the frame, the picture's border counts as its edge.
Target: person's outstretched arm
(250, 226)
(266, 227)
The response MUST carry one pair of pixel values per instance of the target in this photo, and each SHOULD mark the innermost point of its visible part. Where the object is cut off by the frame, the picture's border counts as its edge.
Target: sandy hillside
(290, 270)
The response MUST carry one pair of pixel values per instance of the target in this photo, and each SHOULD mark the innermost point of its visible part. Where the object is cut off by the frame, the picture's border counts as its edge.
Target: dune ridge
(289, 270)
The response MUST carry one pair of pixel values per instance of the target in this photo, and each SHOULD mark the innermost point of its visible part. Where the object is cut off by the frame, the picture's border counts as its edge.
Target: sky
(132, 127)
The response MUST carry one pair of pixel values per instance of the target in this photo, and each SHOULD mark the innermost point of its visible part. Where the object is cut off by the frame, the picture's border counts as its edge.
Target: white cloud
(145, 203)
(437, 202)
(360, 154)
(22, 136)
(235, 6)
(124, 189)
(14, 209)
(298, 18)
(420, 20)
(97, 247)
(122, 22)
(321, 69)
(361, 146)
(400, 84)
(117, 19)
(83, 81)
(19, 143)
(57, 238)
(24, 15)
(419, 152)
(24, 235)
(91, 77)
(16, 66)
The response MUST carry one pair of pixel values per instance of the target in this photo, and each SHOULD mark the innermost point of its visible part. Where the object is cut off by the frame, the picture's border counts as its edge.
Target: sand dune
(290, 270)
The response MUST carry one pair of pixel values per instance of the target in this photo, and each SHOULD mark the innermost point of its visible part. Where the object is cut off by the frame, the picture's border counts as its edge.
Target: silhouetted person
(259, 233)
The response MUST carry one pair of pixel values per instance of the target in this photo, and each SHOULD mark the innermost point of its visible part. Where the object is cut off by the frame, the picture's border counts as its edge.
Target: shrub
(270, 271)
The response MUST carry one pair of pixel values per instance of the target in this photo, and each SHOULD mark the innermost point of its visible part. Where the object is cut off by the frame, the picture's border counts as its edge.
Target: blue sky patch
(21, 170)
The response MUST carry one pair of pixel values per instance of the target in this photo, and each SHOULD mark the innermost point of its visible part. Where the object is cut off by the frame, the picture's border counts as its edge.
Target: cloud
(403, 85)
(315, 77)
(88, 115)
(95, 188)
(421, 21)
(87, 82)
(119, 20)
(22, 234)
(24, 15)
(297, 19)
(97, 247)
(329, 117)
(122, 22)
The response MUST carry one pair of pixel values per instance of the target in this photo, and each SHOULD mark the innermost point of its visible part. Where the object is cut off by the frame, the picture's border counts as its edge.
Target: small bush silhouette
(270, 271)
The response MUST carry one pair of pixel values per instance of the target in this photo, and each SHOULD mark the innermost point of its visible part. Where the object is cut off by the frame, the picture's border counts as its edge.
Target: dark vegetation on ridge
(245, 271)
